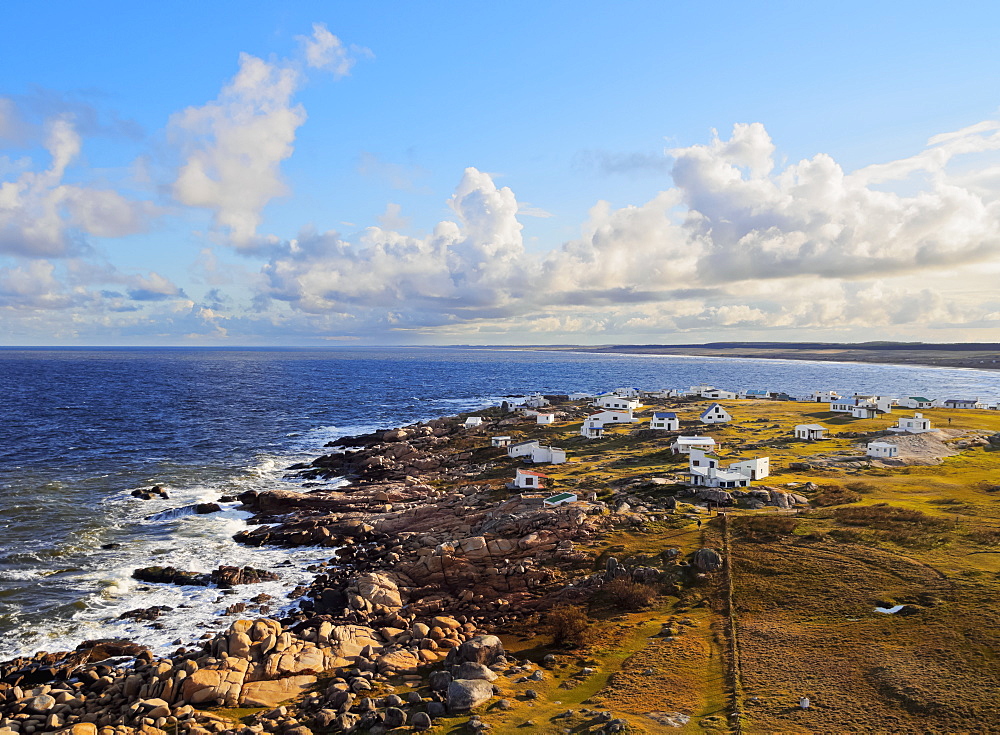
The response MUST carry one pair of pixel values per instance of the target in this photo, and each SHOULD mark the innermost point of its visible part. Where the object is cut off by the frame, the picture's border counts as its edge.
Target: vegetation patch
(765, 528)
(834, 495)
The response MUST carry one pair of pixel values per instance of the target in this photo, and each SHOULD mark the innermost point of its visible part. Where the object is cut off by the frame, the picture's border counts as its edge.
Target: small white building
(527, 480)
(963, 403)
(501, 441)
(864, 412)
(684, 444)
(715, 414)
(473, 421)
(560, 499)
(580, 396)
(697, 390)
(712, 477)
(522, 449)
(592, 429)
(548, 455)
(718, 394)
(702, 459)
(545, 418)
(754, 393)
(810, 432)
(756, 469)
(626, 392)
(881, 450)
(916, 425)
(536, 401)
(617, 403)
(613, 417)
(842, 405)
(917, 402)
(665, 420)
(825, 396)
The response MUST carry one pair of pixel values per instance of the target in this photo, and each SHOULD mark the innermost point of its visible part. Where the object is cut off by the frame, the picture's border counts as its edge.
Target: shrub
(986, 536)
(624, 593)
(884, 516)
(834, 495)
(569, 625)
(766, 528)
(861, 487)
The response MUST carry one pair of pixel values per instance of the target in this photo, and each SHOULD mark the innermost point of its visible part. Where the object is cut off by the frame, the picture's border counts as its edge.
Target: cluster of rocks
(753, 498)
(224, 577)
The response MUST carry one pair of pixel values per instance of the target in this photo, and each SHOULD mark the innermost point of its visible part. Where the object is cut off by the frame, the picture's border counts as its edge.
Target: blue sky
(441, 173)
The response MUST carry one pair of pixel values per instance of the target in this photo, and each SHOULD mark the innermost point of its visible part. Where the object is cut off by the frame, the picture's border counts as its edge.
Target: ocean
(80, 429)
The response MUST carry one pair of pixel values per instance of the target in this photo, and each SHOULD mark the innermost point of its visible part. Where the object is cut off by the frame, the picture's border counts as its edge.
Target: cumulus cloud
(736, 243)
(234, 145)
(41, 216)
(325, 51)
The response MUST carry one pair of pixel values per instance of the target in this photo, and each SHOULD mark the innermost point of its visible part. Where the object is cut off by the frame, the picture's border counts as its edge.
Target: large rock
(272, 693)
(707, 560)
(375, 590)
(347, 641)
(483, 649)
(465, 694)
(472, 670)
(400, 662)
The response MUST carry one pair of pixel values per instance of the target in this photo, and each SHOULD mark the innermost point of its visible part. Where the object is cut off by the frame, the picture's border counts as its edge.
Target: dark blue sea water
(80, 429)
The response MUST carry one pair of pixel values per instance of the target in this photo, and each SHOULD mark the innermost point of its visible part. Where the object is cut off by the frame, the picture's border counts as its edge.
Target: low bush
(569, 625)
(766, 528)
(624, 593)
(986, 536)
(861, 487)
(834, 495)
(884, 516)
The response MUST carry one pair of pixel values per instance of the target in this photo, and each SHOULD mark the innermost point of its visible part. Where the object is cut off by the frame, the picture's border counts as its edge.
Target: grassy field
(805, 591)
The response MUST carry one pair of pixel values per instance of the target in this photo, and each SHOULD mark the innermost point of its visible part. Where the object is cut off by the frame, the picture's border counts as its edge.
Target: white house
(473, 421)
(881, 404)
(548, 455)
(613, 417)
(536, 401)
(560, 499)
(592, 429)
(825, 396)
(702, 459)
(864, 412)
(963, 403)
(626, 392)
(712, 477)
(580, 396)
(842, 405)
(522, 449)
(618, 403)
(754, 393)
(545, 418)
(665, 420)
(756, 469)
(697, 390)
(881, 449)
(663, 393)
(916, 402)
(715, 414)
(529, 480)
(916, 425)
(810, 432)
(684, 444)
(501, 441)
(718, 394)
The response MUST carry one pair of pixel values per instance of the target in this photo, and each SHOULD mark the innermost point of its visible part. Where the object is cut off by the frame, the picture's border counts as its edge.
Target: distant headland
(979, 355)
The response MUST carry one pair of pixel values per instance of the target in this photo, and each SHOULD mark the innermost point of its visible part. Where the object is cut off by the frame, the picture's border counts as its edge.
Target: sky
(397, 173)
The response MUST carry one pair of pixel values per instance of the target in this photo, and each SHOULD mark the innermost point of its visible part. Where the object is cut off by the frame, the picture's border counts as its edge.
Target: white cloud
(40, 216)
(325, 51)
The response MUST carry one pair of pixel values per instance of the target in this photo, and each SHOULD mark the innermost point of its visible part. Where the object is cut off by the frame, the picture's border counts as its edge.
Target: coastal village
(682, 560)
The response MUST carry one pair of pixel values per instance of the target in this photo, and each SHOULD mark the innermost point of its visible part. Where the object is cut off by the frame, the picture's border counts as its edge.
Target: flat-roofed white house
(617, 403)
(527, 480)
(881, 450)
(711, 477)
(473, 421)
(697, 390)
(917, 402)
(810, 432)
(626, 392)
(684, 444)
(916, 425)
(545, 418)
(702, 459)
(501, 441)
(842, 405)
(548, 455)
(718, 394)
(963, 403)
(523, 449)
(864, 412)
(613, 417)
(665, 420)
(580, 396)
(825, 396)
(715, 414)
(756, 469)
(536, 401)
(592, 429)
(559, 499)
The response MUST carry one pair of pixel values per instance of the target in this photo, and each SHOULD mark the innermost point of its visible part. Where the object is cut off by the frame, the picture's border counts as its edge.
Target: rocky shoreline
(430, 560)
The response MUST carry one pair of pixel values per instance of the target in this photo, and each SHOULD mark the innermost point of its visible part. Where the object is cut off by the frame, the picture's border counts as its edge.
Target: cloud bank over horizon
(737, 244)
